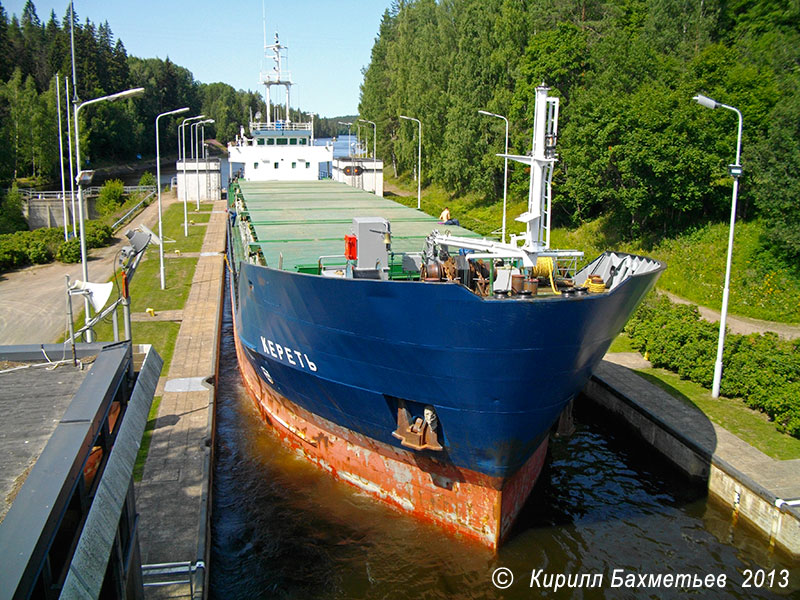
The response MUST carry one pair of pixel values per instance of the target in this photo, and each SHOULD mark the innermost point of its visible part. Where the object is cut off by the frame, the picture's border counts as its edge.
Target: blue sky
(329, 41)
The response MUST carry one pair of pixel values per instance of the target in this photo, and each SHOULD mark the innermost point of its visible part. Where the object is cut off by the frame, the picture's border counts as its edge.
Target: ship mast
(275, 76)
(535, 241)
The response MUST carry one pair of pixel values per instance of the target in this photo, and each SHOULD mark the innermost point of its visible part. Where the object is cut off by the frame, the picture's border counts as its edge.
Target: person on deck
(447, 219)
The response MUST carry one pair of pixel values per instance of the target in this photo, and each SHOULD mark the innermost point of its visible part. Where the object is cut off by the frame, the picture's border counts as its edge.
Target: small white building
(201, 178)
(362, 173)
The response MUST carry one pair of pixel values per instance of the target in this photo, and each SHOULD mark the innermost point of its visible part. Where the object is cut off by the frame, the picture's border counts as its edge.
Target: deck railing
(279, 126)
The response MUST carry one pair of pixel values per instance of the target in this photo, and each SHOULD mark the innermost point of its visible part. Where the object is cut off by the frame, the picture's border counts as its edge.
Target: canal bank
(174, 494)
(758, 489)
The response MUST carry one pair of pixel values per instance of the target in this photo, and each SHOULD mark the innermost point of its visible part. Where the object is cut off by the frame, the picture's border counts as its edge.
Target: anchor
(420, 435)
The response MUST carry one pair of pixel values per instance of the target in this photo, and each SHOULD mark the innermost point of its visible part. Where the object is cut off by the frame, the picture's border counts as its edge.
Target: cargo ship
(417, 361)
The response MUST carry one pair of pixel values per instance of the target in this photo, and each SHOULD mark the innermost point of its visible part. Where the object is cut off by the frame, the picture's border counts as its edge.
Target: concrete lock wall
(49, 212)
(201, 177)
(749, 500)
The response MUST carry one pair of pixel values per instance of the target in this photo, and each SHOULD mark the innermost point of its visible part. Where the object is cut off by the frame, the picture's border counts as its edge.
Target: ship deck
(305, 220)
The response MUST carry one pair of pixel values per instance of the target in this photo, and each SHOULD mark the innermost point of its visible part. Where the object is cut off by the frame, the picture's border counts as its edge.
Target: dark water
(283, 529)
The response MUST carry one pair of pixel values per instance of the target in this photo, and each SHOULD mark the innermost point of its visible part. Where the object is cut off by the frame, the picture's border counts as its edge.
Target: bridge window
(294, 165)
(255, 165)
(283, 142)
(260, 141)
(308, 165)
(270, 142)
(277, 164)
(302, 141)
(293, 141)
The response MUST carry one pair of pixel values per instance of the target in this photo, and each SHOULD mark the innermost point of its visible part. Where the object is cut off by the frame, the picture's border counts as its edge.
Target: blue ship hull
(498, 372)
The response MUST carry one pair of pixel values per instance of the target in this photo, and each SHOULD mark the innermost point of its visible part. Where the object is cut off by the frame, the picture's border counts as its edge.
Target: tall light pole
(84, 263)
(374, 156)
(505, 168)
(736, 171)
(71, 169)
(419, 161)
(196, 152)
(61, 156)
(158, 186)
(182, 152)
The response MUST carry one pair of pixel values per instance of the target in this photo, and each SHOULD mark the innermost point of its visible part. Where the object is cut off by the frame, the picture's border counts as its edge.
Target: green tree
(11, 217)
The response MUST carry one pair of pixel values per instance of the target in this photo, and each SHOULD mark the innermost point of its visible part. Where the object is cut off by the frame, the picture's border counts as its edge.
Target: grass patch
(144, 448)
(622, 343)
(146, 289)
(160, 334)
(751, 426)
(172, 222)
(762, 286)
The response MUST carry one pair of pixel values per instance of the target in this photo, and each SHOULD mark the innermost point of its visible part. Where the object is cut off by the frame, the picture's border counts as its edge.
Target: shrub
(147, 179)
(11, 256)
(41, 245)
(98, 235)
(39, 253)
(11, 217)
(111, 197)
(761, 369)
(69, 251)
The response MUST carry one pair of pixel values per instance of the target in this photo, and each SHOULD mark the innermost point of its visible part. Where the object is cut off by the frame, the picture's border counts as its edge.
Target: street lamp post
(182, 152)
(736, 171)
(419, 161)
(195, 127)
(84, 264)
(505, 169)
(374, 157)
(71, 169)
(158, 187)
(61, 156)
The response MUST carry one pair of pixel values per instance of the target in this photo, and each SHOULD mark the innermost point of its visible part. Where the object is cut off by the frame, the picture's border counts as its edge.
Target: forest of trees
(633, 145)
(33, 51)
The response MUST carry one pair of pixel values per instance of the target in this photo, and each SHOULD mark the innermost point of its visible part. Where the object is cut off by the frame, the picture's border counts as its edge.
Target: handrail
(128, 214)
(175, 573)
(94, 190)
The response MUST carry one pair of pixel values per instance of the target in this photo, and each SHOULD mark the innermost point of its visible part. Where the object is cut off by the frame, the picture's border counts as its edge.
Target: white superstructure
(277, 149)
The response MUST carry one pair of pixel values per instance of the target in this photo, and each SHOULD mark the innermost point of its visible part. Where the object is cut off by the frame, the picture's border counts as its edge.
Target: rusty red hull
(462, 502)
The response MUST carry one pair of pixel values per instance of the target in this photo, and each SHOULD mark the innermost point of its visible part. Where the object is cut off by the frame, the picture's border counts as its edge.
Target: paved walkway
(742, 325)
(173, 494)
(33, 300)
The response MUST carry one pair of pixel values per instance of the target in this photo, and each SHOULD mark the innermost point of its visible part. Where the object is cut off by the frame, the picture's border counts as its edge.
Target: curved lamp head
(705, 101)
(126, 93)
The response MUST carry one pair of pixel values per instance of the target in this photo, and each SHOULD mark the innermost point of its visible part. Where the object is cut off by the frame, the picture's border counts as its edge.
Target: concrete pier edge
(748, 498)
(204, 532)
